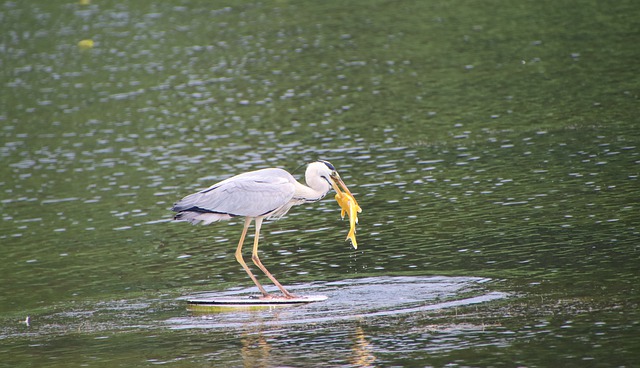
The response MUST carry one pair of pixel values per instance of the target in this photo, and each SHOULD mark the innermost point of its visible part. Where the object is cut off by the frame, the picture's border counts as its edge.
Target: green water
(493, 147)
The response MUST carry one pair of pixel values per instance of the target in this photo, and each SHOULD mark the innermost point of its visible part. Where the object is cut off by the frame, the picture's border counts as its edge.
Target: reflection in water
(257, 347)
(362, 352)
(255, 350)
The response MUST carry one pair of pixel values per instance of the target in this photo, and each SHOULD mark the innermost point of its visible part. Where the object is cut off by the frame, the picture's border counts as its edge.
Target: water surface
(493, 148)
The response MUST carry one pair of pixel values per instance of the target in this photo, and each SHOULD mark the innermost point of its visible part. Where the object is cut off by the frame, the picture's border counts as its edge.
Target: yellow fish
(349, 206)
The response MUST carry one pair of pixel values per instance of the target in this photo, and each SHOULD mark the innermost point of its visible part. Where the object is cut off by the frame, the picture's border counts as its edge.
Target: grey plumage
(266, 192)
(253, 194)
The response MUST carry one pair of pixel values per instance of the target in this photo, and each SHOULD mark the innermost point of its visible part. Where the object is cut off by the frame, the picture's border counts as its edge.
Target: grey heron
(256, 195)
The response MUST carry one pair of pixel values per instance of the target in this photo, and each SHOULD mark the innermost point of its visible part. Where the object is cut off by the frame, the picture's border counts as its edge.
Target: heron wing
(256, 193)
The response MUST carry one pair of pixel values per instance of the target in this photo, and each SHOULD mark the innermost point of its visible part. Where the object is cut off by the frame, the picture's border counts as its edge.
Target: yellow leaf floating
(349, 206)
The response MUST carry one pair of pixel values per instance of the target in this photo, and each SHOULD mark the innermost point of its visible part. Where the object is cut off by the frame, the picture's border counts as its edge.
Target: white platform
(251, 302)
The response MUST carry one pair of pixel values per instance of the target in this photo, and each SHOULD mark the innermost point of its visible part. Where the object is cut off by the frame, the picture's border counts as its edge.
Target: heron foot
(276, 297)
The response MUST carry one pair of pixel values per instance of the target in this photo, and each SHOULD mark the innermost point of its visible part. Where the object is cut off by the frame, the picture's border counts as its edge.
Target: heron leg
(258, 263)
(247, 222)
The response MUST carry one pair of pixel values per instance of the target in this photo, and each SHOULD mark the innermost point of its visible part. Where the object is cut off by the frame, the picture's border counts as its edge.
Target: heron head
(322, 175)
(328, 172)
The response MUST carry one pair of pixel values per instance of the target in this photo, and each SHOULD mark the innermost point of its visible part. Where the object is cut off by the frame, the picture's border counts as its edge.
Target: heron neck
(309, 194)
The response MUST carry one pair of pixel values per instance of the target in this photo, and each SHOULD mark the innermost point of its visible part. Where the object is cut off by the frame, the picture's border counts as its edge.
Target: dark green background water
(493, 146)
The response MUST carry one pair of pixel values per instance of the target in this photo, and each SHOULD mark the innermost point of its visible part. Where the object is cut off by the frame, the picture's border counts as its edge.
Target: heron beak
(337, 183)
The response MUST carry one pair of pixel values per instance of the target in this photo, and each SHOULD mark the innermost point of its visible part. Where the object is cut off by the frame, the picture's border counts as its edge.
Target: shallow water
(492, 147)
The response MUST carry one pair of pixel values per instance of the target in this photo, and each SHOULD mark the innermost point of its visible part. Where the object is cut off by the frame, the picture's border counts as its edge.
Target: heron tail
(206, 218)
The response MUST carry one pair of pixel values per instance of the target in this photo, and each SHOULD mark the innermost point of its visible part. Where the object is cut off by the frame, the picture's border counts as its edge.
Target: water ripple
(350, 299)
